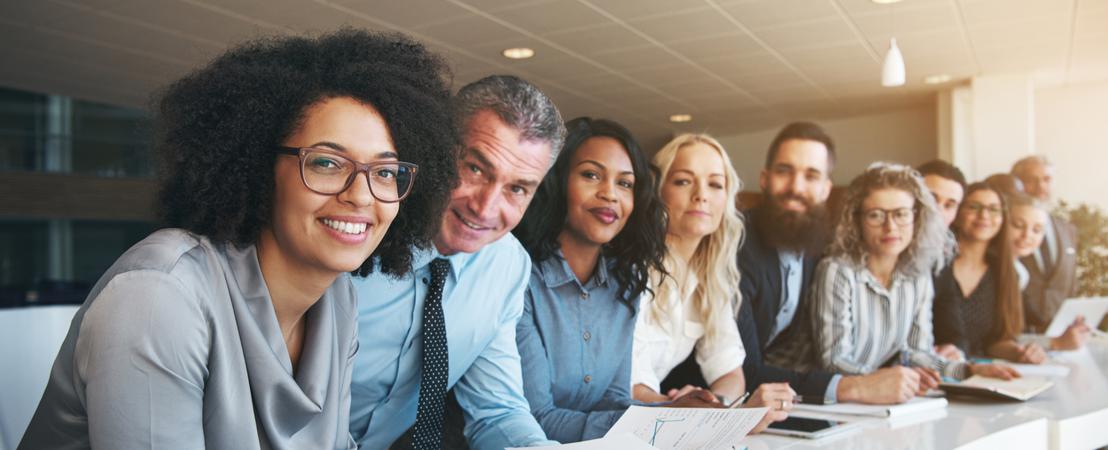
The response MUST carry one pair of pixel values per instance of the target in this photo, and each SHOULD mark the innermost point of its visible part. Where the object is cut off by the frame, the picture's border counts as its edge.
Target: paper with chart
(689, 428)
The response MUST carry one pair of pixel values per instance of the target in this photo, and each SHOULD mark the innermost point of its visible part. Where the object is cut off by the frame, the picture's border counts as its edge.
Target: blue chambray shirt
(575, 341)
(482, 302)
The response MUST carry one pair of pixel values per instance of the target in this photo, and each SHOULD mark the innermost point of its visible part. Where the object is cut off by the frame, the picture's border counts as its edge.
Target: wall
(1070, 131)
(908, 136)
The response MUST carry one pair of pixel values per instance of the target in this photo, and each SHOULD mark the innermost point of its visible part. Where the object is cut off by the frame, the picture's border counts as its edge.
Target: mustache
(782, 198)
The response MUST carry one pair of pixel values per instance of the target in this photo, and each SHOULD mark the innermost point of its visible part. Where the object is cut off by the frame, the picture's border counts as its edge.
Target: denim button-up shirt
(575, 344)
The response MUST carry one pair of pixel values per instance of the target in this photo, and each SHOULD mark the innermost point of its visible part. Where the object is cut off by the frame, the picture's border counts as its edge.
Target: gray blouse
(178, 346)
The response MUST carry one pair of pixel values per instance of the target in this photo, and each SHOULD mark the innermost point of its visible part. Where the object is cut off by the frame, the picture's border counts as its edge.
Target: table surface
(1072, 414)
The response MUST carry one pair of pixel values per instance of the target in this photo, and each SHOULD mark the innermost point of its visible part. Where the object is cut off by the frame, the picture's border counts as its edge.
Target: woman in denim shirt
(594, 229)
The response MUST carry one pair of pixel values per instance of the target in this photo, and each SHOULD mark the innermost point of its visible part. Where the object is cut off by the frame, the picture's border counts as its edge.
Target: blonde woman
(872, 296)
(1027, 228)
(693, 308)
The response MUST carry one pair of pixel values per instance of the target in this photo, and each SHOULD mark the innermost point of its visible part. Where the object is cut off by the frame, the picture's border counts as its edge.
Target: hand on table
(778, 397)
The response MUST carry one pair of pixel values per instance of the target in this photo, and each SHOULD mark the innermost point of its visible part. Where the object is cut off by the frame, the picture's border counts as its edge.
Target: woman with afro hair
(289, 162)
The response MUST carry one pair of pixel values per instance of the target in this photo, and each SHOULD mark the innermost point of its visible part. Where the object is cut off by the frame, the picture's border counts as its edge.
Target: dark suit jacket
(1045, 292)
(761, 300)
(761, 292)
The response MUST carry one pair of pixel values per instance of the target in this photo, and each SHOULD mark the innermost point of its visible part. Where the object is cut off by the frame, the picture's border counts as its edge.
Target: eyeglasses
(877, 217)
(327, 172)
(990, 210)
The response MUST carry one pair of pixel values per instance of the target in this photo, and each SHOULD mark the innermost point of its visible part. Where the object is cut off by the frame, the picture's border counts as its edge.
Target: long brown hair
(1008, 321)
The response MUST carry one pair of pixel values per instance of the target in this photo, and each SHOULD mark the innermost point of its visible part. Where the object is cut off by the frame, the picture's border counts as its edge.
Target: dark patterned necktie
(434, 369)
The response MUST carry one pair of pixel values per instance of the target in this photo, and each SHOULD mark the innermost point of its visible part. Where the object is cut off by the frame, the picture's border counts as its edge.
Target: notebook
(914, 405)
(1021, 389)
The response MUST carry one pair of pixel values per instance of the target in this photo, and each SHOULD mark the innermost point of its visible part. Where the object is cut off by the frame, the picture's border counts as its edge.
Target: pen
(739, 401)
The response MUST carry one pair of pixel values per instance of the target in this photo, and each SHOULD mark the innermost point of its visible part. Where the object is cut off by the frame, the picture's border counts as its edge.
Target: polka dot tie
(432, 381)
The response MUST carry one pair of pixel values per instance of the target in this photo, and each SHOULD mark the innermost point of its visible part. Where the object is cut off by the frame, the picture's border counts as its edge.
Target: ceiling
(734, 65)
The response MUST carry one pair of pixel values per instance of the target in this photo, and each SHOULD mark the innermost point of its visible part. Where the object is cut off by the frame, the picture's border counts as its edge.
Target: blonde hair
(931, 243)
(715, 260)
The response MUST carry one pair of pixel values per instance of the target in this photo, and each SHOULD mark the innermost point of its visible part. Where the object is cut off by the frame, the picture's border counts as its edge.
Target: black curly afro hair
(218, 128)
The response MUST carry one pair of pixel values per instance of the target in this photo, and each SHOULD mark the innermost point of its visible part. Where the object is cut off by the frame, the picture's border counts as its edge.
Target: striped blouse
(859, 325)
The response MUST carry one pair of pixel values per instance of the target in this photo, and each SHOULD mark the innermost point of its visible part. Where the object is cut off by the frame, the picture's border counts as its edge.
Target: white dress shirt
(661, 346)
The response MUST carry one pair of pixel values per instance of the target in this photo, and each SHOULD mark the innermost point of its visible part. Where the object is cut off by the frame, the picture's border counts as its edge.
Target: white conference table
(1071, 415)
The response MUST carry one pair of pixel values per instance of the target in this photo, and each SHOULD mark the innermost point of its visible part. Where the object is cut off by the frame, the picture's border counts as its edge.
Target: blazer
(1045, 292)
(761, 297)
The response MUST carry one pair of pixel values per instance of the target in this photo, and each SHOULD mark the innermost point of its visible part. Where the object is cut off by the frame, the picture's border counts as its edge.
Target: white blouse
(659, 347)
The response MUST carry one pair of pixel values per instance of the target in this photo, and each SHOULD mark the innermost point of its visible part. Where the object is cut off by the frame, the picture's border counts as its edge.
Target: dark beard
(784, 229)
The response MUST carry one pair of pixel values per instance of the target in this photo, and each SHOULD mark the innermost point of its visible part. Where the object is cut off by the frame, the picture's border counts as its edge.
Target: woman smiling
(287, 161)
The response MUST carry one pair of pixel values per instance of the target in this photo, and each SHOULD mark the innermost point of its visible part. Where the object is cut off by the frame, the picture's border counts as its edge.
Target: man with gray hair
(1052, 269)
(451, 323)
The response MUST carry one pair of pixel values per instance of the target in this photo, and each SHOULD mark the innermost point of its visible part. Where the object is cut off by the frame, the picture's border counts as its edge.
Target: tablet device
(1093, 308)
(808, 428)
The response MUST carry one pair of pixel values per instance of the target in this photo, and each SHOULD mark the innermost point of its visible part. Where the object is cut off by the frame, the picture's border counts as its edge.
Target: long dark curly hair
(217, 129)
(639, 248)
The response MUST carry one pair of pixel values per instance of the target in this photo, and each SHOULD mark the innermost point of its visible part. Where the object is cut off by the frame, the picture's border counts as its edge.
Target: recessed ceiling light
(885, 2)
(936, 79)
(680, 118)
(518, 53)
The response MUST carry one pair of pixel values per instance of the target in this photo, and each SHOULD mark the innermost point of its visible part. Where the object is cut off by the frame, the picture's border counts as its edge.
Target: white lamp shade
(892, 73)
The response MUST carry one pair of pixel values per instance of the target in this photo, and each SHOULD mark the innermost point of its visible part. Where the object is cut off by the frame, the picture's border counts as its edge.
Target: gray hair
(931, 244)
(1020, 166)
(518, 103)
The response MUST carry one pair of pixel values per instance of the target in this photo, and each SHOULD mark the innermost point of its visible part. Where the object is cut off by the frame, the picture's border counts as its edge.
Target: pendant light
(892, 72)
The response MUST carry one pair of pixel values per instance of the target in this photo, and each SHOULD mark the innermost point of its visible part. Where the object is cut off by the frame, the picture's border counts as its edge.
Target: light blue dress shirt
(792, 267)
(575, 341)
(792, 274)
(482, 302)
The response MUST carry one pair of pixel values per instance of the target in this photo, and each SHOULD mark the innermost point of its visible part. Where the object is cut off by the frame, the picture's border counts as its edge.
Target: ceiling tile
(980, 12)
(599, 39)
(469, 31)
(677, 26)
(125, 32)
(853, 54)
(926, 19)
(708, 47)
(1001, 34)
(767, 14)
(760, 63)
(670, 75)
(859, 7)
(815, 33)
(697, 89)
(407, 13)
(552, 16)
(188, 19)
(645, 56)
(627, 10)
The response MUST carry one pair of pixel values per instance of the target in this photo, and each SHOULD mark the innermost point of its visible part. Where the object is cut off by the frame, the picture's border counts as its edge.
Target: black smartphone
(807, 428)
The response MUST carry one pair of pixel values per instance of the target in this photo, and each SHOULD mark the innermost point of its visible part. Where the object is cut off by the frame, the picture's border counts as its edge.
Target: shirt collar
(556, 271)
(422, 258)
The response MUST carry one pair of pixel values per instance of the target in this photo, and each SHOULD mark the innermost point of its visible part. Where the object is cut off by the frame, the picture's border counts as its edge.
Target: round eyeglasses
(877, 217)
(327, 172)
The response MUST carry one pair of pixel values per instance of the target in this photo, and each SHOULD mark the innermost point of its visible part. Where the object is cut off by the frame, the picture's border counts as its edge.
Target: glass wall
(53, 133)
(57, 260)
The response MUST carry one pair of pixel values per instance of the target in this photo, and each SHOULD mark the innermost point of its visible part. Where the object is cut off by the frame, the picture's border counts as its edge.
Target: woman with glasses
(286, 164)
(873, 293)
(982, 286)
